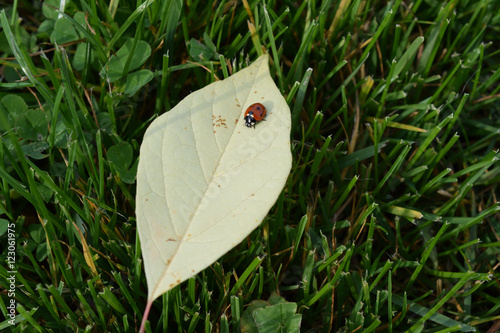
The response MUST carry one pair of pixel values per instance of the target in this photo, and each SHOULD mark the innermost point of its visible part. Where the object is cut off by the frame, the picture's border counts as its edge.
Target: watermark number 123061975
(11, 266)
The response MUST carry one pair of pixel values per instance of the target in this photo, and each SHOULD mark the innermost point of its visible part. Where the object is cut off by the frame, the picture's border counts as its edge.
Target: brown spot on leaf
(219, 121)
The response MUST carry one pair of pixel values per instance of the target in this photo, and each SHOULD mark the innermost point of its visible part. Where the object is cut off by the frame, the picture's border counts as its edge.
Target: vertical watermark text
(11, 271)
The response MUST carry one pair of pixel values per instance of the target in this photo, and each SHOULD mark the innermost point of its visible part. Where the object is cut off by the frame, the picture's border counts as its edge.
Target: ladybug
(255, 113)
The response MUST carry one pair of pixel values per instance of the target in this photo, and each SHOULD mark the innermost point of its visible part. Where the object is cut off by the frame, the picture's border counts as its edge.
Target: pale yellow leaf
(205, 180)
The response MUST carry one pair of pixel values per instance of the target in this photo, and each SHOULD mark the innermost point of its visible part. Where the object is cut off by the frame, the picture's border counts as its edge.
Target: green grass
(388, 221)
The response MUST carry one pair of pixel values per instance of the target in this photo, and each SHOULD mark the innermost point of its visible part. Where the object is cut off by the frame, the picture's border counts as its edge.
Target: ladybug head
(250, 121)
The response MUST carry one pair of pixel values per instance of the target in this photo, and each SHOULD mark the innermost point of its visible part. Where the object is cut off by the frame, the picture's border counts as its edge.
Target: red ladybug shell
(255, 113)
